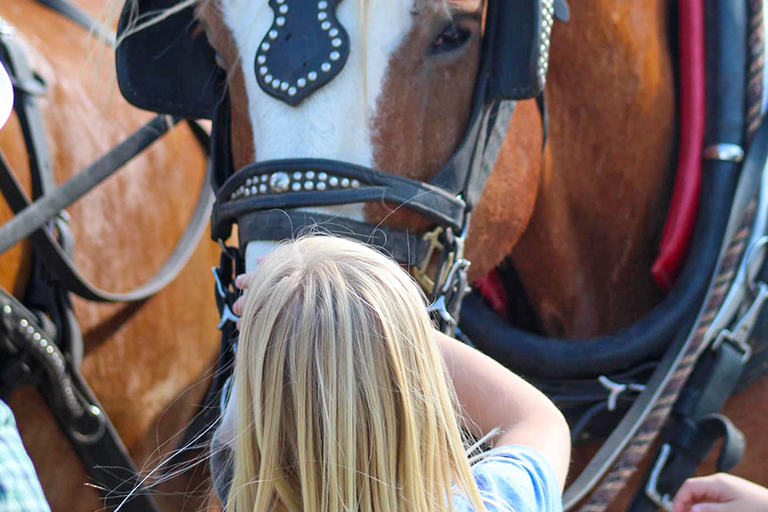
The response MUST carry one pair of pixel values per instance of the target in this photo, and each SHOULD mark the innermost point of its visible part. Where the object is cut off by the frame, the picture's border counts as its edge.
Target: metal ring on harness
(723, 152)
(90, 437)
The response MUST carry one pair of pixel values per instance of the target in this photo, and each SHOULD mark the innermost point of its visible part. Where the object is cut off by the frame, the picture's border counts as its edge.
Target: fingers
(712, 507)
(242, 282)
(705, 494)
(696, 490)
(237, 307)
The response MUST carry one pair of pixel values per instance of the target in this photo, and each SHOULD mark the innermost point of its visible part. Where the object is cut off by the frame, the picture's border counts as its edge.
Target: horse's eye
(452, 38)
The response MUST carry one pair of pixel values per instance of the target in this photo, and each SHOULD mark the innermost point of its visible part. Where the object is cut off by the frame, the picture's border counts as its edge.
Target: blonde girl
(345, 399)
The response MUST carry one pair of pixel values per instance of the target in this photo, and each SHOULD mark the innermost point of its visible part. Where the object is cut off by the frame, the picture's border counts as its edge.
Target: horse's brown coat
(220, 38)
(607, 171)
(585, 211)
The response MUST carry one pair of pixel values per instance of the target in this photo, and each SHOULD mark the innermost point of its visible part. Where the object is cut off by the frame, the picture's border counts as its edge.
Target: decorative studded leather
(304, 49)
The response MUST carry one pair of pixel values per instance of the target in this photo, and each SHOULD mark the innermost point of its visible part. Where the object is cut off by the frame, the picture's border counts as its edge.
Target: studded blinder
(305, 48)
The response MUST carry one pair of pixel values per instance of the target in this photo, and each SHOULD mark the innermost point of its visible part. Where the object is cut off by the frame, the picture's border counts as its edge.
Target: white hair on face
(333, 122)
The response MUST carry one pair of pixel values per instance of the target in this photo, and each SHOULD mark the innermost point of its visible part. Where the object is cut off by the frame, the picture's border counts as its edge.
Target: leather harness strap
(655, 402)
(31, 220)
(77, 15)
(694, 427)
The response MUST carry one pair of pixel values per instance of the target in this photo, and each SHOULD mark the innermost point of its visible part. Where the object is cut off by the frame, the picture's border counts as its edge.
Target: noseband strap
(407, 248)
(303, 183)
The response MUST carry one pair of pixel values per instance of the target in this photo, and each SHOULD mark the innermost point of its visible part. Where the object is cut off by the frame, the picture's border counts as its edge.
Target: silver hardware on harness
(615, 389)
(661, 500)
(227, 316)
(95, 414)
(723, 152)
(450, 284)
(739, 335)
(226, 313)
(441, 309)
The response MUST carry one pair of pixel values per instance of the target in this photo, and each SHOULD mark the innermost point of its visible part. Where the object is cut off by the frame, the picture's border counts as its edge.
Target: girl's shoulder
(515, 479)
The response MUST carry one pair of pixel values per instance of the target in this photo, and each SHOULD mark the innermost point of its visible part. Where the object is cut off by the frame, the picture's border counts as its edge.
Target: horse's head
(399, 103)
(415, 88)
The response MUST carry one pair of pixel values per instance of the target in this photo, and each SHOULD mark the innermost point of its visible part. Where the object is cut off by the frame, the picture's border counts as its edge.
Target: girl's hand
(242, 282)
(720, 493)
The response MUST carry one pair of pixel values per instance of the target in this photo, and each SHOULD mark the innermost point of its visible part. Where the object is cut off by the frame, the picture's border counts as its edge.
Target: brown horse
(580, 224)
(144, 361)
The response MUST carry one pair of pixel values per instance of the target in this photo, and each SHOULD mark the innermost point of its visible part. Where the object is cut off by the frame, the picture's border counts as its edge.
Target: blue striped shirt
(20, 489)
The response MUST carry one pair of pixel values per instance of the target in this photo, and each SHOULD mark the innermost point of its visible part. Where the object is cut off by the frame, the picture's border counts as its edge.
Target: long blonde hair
(343, 401)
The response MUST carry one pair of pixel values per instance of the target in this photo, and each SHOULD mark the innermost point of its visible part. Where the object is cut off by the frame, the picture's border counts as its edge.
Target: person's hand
(242, 282)
(720, 493)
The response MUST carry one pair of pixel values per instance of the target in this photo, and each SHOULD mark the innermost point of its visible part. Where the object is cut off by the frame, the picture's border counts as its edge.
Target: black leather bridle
(165, 69)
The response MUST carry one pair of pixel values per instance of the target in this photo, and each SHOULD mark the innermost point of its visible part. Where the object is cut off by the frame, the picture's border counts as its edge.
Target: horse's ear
(167, 67)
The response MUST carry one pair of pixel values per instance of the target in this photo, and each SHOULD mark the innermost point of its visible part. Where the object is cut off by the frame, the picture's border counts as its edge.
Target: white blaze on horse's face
(333, 122)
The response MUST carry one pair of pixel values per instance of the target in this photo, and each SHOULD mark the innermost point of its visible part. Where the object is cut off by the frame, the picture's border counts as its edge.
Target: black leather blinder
(170, 68)
(518, 52)
(167, 67)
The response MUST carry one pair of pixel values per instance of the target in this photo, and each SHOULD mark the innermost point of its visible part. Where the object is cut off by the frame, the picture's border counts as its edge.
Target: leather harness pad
(304, 49)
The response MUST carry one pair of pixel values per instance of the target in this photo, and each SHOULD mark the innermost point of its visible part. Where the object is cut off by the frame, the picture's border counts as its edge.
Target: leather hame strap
(78, 16)
(31, 220)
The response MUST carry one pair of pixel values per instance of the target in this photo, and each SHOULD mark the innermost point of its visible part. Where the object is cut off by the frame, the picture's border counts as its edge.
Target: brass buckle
(420, 273)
